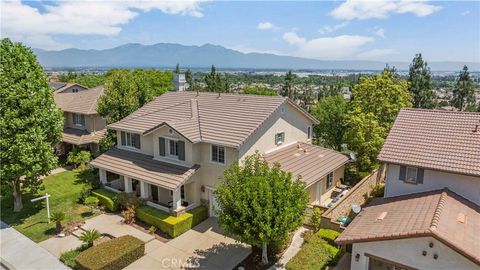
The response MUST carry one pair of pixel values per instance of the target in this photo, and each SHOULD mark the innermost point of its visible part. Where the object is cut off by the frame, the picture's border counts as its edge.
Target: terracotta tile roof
(434, 139)
(79, 137)
(144, 167)
(228, 119)
(83, 102)
(441, 214)
(309, 161)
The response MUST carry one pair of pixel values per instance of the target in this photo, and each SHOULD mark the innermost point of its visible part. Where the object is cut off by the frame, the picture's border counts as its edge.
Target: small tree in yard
(30, 123)
(88, 237)
(260, 204)
(58, 217)
(79, 158)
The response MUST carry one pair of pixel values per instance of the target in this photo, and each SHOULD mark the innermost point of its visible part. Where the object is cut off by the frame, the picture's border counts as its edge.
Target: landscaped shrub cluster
(68, 257)
(173, 226)
(328, 235)
(113, 254)
(107, 198)
(79, 158)
(315, 253)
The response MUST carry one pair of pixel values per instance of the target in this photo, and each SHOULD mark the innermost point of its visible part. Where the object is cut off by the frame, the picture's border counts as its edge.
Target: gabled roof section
(441, 214)
(65, 86)
(79, 136)
(434, 139)
(83, 102)
(308, 161)
(226, 119)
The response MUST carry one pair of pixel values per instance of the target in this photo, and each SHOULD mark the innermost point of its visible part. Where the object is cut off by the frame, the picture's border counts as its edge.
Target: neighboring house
(430, 216)
(427, 230)
(173, 151)
(63, 87)
(432, 149)
(83, 126)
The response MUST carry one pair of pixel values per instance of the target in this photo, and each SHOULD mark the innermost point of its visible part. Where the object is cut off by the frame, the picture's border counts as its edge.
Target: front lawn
(64, 189)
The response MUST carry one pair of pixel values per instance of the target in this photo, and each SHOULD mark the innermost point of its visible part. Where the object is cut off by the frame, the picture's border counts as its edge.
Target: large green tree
(463, 96)
(216, 82)
(260, 204)
(420, 79)
(288, 89)
(30, 123)
(375, 105)
(331, 112)
(260, 91)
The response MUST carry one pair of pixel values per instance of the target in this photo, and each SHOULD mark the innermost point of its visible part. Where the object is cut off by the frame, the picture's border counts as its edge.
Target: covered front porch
(167, 187)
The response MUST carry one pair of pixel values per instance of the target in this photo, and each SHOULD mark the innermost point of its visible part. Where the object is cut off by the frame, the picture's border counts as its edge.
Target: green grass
(64, 189)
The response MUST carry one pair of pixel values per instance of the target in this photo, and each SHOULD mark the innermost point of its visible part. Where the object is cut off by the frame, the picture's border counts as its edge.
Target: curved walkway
(19, 252)
(292, 250)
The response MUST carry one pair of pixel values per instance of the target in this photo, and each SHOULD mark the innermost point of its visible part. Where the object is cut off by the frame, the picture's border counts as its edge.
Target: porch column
(176, 199)
(318, 195)
(144, 190)
(128, 184)
(103, 176)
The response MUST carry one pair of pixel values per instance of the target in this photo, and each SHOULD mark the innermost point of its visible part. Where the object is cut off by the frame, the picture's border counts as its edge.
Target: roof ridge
(438, 210)
(198, 120)
(159, 110)
(439, 111)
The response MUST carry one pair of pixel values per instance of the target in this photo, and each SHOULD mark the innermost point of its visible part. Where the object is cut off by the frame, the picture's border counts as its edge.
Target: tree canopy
(260, 204)
(463, 95)
(30, 123)
(331, 112)
(288, 89)
(258, 90)
(216, 82)
(420, 79)
(375, 105)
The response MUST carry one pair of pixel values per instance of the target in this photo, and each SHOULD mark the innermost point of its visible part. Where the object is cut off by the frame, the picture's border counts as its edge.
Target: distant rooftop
(83, 102)
(56, 85)
(435, 139)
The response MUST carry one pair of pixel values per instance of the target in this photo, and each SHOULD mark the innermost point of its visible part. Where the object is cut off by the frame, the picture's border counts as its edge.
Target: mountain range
(162, 55)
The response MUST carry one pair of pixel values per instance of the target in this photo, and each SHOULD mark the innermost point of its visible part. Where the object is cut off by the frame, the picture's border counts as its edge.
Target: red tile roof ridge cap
(438, 211)
(439, 111)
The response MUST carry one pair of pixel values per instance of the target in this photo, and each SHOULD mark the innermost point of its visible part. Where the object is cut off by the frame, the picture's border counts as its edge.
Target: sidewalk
(291, 251)
(19, 252)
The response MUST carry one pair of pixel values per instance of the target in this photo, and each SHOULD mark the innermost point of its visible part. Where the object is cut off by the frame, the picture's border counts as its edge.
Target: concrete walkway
(113, 225)
(292, 250)
(19, 252)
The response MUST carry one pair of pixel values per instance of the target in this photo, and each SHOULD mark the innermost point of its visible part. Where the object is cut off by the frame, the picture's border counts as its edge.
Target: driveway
(203, 247)
(19, 252)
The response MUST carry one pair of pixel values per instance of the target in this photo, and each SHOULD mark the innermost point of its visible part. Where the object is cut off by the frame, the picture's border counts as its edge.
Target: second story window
(412, 175)
(130, 139)
(329, 180)
(309, 132)
(218, 154)
(279, 138)
(171, 148)
(78, 119)
(74, 90)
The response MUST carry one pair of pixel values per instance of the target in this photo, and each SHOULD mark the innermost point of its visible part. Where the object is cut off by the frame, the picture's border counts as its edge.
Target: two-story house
(82, 125)
(430, 216)
(174, 150)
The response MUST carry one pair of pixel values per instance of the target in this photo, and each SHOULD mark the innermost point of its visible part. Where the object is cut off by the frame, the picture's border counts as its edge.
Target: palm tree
(58, 217)
(90, 236)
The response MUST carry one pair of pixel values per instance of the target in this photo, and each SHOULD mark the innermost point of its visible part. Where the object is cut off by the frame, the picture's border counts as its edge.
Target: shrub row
(114, 254)
(107, 198)
(315, 253)
(173, 226)
(328, 235)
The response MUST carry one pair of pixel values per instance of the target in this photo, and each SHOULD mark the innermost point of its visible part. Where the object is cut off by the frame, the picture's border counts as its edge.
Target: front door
(213, 204)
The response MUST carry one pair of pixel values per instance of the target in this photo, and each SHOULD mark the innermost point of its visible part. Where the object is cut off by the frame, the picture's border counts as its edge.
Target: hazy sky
(363, 30)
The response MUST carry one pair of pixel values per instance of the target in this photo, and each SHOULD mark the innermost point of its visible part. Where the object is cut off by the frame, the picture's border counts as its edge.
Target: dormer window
(130, 139)
(78, 119)
(75, 90)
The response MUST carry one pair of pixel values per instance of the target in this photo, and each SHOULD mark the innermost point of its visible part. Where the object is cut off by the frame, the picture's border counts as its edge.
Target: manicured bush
(93, 201)
(68, 257)
(173, 226)
(328, 235)
(113, 254)
(78, 158)
(107, 198)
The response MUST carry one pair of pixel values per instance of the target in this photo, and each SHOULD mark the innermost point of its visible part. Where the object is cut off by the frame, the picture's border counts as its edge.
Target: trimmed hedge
(114, 254)
(173, 226)
(328, 235)
(107, 198)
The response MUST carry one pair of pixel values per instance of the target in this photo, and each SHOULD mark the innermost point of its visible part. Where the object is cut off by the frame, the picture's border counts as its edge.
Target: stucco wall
(92, 122)
(409, 252)
(466, 186)
(292, 122)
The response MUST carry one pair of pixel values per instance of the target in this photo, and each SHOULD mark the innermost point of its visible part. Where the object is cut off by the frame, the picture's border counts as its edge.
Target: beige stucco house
(82, 125)
(430, 216)
(173, 151)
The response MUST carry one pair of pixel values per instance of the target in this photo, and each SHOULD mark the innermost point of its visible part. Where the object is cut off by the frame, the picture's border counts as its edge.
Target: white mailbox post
(48, 204)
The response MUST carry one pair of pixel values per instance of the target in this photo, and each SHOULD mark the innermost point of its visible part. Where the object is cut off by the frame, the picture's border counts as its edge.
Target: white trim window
(217, 154)
(279, 138)
(78, 119)
(309, 132)
(130, 139)
(329, 180)
(411, 175)
(172, 148)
